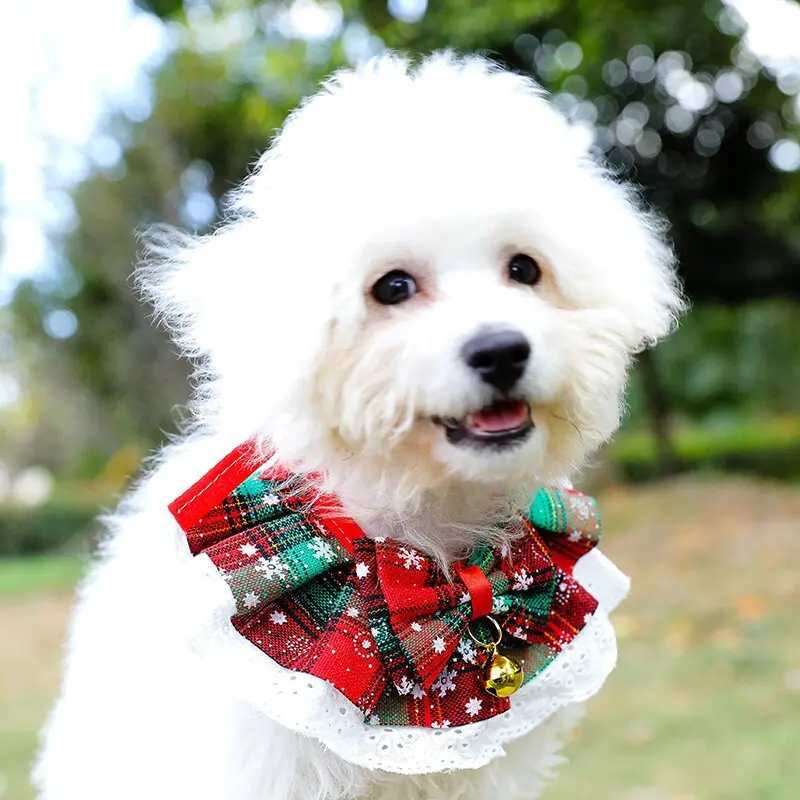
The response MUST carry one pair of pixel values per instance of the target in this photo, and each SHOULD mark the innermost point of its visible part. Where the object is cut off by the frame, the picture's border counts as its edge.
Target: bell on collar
(502, 676)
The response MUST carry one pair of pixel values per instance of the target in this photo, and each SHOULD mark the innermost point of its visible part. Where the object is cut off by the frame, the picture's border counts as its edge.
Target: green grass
(21, 576)
(695, 441)
(35, 597)
(705, 702)
(767, 447)
(703, 721)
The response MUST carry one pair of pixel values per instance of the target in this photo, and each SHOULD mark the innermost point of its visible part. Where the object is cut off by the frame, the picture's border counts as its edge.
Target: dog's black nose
(498, 356)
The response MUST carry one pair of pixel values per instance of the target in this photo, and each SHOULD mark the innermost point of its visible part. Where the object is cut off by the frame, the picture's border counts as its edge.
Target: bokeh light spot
(576, 85)
(784, 155)
(728, 86)
(679, 119)
(761, 134)
(60, 323)
(569, 55)
(408, 10)
(615, 72)
(649, 144)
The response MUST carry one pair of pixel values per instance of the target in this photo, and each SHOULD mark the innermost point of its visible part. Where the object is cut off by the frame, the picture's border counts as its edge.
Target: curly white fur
(443, 170)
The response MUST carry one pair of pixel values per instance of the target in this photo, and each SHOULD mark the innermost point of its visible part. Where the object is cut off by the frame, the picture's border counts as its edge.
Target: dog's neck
(442, 516)
(445, 523)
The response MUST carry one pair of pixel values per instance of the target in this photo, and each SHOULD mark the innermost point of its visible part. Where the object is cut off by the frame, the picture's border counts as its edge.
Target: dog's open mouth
(498, 424)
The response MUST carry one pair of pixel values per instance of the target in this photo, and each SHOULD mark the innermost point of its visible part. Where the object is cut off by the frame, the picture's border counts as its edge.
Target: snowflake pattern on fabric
(379, 620)
(321, 550)
(467, 650)
(473, 706)
(445, 682)
(412, 559)
(523, 581)
(272, 567)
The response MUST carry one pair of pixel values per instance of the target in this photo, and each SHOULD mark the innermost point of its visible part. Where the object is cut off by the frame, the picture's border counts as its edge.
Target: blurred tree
(667, 92)
(678, 103)
(115, 369)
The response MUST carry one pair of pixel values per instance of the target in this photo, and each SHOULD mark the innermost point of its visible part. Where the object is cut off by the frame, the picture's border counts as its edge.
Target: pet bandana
(404, 641)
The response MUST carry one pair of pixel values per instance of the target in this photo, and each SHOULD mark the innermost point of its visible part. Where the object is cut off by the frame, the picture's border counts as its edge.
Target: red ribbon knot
(479, 588)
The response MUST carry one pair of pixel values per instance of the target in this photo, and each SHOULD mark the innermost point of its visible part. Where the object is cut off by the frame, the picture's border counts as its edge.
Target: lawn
(705, 703)
(35, 597)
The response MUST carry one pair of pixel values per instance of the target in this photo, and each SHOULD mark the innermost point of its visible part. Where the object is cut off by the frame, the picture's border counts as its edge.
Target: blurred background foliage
(669, 93)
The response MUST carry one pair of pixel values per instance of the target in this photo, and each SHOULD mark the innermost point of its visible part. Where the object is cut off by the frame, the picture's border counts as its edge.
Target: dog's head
(426, 279)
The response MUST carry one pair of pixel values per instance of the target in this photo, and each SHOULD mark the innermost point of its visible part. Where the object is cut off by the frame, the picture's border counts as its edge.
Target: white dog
(430, 294)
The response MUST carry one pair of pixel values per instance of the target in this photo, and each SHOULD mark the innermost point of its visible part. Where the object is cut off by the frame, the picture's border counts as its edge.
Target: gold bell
(502, 676)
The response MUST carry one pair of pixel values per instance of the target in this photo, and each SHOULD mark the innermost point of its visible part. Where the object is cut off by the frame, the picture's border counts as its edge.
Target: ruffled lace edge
(310, 706)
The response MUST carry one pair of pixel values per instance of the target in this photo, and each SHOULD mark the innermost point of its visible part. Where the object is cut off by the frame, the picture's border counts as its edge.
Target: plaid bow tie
(419, 614)
(377, 618)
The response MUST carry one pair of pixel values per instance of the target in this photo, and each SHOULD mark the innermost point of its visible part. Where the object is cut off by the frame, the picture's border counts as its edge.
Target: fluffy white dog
(426, 291)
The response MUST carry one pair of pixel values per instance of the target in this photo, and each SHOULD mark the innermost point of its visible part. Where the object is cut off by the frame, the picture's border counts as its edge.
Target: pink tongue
(499, 418)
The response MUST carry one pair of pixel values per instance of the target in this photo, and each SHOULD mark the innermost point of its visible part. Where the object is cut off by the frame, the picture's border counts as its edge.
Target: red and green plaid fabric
(376, 618)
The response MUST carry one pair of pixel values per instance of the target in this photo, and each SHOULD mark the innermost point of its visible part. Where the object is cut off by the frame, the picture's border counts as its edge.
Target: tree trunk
(658, 413)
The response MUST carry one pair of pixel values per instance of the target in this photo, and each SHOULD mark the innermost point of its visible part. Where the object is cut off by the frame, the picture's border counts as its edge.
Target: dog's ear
(627, 264)
(189, 282)
(239, 304)
(664, 301)
(649, 284)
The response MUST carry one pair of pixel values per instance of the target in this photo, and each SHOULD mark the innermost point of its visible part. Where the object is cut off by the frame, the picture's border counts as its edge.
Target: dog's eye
(394, 287)
(524, 269)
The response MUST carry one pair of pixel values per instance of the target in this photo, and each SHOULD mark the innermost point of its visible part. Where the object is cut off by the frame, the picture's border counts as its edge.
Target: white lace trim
(601, 577)
(310, 706)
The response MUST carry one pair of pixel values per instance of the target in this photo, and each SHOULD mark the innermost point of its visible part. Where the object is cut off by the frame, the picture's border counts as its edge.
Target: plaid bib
(376, 618)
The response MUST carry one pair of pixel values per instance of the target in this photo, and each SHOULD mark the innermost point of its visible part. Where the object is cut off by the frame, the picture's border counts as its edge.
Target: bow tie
(419, 614)
(377, 618)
